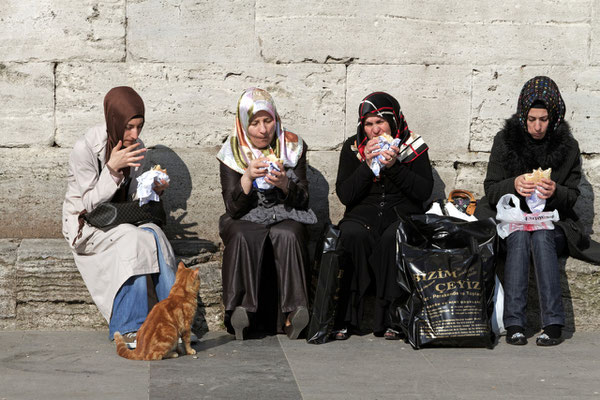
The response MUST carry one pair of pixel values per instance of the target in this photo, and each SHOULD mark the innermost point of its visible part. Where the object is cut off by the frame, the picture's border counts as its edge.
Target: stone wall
(455, 66)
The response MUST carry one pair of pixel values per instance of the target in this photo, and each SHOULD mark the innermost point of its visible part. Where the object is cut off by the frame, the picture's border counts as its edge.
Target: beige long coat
(105, 259)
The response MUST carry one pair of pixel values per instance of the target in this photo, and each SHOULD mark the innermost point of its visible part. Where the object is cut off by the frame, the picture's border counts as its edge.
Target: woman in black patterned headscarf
(535, 137)
(374, 199)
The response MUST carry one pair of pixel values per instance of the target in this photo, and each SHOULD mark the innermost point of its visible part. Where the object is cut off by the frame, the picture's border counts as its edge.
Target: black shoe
(545, 340)
(517, 339)
(239, 322)
(298, 321)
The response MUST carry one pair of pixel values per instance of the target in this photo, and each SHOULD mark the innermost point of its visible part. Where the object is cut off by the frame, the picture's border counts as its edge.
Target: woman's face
(132, 131)
(537, 122)
(375, 126)
(261, 129)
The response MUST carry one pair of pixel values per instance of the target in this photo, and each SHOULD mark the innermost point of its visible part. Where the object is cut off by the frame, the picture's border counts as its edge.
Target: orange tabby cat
(168, 320)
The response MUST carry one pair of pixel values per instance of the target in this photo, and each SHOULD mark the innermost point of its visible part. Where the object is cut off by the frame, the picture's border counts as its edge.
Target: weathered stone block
(470, 177)
(595, 23)
(49, 30)
(580, 293)
(32, 187)
(424, 94)
(322, 174)
(471, 11)
(8, 258)
(386, 35)
(46, 272)
(191, 31)
(48, 315)
(26, 104)
(193, 105)
(210, 305)
(496, 92)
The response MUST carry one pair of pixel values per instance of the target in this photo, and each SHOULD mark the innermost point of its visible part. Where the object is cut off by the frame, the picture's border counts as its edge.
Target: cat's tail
(123, 350)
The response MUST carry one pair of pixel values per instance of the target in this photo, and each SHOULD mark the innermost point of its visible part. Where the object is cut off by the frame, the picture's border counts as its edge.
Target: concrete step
(41, 289)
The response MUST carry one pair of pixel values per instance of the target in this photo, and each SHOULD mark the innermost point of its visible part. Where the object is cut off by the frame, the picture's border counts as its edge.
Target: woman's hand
(125, 157)
(278, 178)
(389, 156)
(371, 147)
(159, 188)
(523, 187)
(256, 169)
(547, 187)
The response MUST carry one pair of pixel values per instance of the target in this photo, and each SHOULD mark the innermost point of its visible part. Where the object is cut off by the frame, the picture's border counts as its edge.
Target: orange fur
(168, 320)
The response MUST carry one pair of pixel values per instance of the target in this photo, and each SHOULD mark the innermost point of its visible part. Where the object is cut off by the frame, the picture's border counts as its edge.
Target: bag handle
(464, 194)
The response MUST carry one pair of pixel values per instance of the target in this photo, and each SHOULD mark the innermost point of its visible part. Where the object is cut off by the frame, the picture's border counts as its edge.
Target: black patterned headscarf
(386, 107)
(541, 89)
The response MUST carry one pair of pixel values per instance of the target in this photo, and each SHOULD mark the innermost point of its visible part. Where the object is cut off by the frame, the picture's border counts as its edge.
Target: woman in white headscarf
(265, 207)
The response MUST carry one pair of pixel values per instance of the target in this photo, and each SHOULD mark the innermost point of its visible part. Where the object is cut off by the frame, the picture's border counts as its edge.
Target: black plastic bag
(446, 269)
(326, 278)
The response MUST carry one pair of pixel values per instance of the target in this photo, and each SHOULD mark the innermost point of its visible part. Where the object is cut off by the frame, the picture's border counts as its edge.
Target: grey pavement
(84, 365)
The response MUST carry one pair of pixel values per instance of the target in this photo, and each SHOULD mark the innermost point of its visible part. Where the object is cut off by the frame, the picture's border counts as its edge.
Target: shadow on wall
(176, 197)
(584, 207)
(318, 190)
(439, 189)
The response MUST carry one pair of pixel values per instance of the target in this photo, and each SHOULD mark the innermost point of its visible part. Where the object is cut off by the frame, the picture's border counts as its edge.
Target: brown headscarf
(121, 104)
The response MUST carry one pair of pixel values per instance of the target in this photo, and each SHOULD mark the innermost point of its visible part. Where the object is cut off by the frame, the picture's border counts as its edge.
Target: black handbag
(108, 215)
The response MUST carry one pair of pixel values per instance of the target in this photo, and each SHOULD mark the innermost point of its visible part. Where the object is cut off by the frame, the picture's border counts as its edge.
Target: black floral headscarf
(541, 89)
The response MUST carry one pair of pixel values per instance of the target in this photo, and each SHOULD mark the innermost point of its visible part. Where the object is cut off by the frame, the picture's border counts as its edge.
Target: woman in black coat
(535, 137)
(374, 203)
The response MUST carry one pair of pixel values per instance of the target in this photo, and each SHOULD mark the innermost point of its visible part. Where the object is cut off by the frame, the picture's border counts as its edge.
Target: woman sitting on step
(265, 190)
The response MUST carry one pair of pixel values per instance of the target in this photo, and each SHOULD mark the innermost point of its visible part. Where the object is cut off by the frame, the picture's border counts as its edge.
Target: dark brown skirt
(243, 259)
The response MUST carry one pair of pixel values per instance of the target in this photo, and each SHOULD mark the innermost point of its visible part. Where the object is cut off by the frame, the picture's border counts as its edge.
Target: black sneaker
(545, 340)
(517, 339)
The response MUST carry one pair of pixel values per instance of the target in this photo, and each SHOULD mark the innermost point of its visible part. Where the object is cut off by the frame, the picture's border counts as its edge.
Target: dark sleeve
(414, 179)
(567, 192)
(496, 183)
(297, 196)
(354, 178)
(237, 203)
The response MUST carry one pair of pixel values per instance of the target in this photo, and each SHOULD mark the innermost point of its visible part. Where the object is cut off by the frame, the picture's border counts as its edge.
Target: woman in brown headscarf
(114, 264)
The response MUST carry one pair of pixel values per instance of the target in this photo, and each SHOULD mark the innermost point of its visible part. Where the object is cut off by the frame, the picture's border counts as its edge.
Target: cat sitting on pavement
(168, 320)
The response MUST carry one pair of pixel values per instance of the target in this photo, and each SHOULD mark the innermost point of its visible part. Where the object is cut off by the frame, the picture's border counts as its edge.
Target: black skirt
(245, 244)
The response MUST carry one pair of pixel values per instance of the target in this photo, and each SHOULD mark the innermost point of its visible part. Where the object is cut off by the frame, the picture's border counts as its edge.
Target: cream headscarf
(238, 151)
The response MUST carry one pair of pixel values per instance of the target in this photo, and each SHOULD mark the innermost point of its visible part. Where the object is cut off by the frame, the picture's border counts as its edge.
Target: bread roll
(537, 174)
(158, 168)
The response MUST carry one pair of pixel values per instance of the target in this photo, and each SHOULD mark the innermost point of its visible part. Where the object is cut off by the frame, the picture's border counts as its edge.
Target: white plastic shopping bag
(498, 314)
(513, 219)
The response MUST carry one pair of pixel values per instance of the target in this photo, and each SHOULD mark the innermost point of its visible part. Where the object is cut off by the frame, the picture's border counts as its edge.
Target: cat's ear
(181, 265)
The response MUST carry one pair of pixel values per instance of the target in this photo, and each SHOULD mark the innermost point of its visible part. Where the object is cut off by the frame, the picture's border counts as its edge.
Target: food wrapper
(260, 182)
(385, 142)
(534, 203)
(147, 182)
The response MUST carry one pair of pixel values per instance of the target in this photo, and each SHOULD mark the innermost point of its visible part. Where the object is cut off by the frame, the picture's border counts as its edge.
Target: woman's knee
(289, 231)
(353, 233)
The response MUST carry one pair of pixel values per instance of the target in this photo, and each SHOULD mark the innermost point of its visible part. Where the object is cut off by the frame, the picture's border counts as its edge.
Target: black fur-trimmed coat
(514, 154)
